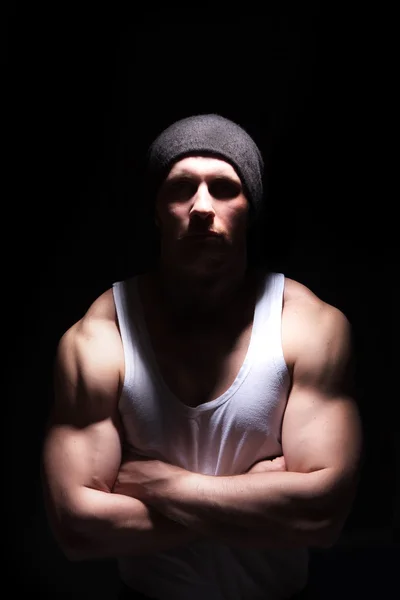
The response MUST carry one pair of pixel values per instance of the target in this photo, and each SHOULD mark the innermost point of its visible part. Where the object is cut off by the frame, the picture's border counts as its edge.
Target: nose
(202, 202)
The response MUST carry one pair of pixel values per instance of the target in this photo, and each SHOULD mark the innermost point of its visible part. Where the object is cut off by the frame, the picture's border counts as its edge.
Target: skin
(307, 503)
(103, 501)
(200, 279)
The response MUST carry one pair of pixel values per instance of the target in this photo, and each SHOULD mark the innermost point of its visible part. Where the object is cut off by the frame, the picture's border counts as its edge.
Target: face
(201, 211)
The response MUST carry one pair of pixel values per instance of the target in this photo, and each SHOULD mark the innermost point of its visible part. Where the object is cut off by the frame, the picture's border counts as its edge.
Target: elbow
(331, 516)
(329, 533)
(327, 539)
(323, 528)
(77, 548)
(77, 553)
(73, 546)
(70, 551)
(71, 531)
(70, 539)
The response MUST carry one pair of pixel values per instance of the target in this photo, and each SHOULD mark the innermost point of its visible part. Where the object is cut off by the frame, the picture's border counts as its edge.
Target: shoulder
(93, 342)
(304, 308)
(314, 333)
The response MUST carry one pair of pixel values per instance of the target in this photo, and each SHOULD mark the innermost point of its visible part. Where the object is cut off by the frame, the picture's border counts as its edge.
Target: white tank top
(222, 437)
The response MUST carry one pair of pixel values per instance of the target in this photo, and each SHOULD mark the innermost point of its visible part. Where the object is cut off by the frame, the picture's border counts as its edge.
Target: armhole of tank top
(121, 306)
(279, 357)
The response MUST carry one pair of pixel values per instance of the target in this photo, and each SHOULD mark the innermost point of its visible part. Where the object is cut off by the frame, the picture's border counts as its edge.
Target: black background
(86, 92)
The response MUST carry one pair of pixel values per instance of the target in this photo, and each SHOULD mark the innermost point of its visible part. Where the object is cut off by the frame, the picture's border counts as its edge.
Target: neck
(200, 300)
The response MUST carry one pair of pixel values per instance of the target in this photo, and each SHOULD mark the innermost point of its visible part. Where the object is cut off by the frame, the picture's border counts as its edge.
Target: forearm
(110, 525)
(259, 510)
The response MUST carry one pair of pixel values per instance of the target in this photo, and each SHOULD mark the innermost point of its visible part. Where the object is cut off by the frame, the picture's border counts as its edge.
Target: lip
(203, 235)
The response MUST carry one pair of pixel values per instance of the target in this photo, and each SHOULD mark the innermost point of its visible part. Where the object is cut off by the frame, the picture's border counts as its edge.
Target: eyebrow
(184, 173)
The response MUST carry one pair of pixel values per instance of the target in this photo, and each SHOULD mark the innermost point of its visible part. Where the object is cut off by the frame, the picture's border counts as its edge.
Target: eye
(179, 190)
(224, 189)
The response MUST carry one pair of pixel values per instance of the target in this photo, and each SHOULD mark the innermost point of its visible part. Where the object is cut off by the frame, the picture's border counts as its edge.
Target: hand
(269, 465)
(139, 476)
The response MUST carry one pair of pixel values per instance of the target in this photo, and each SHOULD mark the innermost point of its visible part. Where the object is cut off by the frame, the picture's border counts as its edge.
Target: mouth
(207, 234)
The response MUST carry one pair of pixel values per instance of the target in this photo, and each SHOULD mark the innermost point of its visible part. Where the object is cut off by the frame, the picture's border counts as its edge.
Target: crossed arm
(307, 504)
(99, 506)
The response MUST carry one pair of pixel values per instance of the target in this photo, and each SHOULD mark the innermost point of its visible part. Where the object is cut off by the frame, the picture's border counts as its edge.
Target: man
(203, 431)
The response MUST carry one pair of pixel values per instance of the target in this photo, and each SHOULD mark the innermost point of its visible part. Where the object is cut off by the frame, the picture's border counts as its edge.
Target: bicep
(321, 432)
(75, 458)
(74, 461)
(321, 429)
(82, 447)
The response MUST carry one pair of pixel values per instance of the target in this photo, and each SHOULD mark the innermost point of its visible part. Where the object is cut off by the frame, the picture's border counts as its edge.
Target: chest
(201, 368)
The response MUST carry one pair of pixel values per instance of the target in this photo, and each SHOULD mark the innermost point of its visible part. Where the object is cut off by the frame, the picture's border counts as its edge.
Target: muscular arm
(82, 454)
(321, 438)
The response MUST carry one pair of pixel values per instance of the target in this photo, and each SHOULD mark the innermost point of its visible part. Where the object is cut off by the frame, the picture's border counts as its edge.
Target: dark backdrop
(86, 92)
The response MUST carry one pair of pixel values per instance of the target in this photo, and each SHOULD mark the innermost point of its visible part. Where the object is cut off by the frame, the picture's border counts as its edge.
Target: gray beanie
(209, 135)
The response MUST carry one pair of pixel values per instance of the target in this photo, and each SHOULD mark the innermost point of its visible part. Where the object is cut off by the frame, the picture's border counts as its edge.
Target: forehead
(203, 166)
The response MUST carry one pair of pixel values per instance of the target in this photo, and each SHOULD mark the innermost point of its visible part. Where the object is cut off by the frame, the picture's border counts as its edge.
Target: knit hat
(208, 135)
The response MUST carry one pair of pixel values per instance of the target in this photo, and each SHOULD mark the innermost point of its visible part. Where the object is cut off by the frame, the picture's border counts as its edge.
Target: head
(205, 174)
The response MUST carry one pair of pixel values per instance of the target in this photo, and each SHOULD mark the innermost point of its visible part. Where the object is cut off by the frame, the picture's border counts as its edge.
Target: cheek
(175, 216)
(171, 216)
(238, 213)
